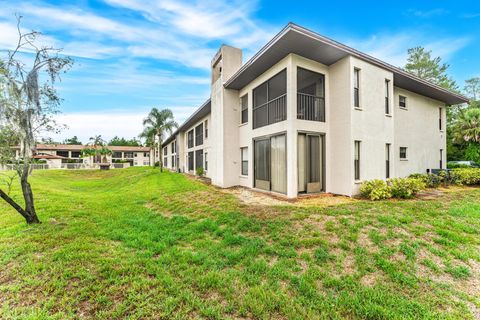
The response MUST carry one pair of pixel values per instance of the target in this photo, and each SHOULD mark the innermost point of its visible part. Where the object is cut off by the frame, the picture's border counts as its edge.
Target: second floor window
(244, 108)
(402, 102)
(310, 95)
(199, 135)
(356, 88)
(190, 139)
(165, 151)
(206, 129)
(440, 125)
(387, 96)
(173, 146)
(270, 101)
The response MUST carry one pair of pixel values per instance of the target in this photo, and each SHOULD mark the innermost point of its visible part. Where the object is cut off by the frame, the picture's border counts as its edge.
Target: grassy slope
(139, 244)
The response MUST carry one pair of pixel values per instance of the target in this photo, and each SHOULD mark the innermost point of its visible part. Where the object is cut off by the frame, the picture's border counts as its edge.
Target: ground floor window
(244, 158)
(441, 158)
(206, 158)
(311, 169)
(190, 161)
(356, 162)
(270, 163)
(387, 160)
(199, 159)
(165, 164)
(173, 161)
(403, 153)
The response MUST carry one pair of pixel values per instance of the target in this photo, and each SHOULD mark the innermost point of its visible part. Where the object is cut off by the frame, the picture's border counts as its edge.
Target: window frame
(356, 88)
(388, 110)
(356, 160)
(190, 139)
(404, 107)
(405, 153)
(269, 100)
(244, 109)
(244, 161)
(199, 134)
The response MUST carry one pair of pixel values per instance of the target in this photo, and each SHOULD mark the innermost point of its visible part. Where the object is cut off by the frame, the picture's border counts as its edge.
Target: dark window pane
(277, 85)
(262, 160)
(199, 134)
(190, 161)
(190, 138)
(260, 95)
(199, 159)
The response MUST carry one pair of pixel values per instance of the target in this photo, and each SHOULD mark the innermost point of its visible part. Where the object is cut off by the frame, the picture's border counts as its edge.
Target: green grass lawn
(136, 243)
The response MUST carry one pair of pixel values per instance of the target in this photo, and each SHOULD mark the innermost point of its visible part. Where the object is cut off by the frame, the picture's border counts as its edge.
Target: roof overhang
(200, 113)
(311, 45)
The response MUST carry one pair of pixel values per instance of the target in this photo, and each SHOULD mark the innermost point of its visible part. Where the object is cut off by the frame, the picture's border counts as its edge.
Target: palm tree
(97, 141)
(156, 125)
(467, 126)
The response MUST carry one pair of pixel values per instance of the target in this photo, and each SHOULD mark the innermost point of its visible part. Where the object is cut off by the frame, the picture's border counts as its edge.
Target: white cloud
(392, 48)
(428, 13)
(109, 124)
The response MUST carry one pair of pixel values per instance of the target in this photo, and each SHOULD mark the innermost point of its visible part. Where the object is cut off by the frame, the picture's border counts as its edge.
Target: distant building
(59, 156)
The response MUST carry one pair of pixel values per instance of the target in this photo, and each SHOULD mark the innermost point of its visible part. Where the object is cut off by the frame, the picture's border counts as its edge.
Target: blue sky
(132, 55)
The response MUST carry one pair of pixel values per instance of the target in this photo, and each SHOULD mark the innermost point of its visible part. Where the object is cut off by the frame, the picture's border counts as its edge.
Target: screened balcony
(310, 95)
(270, 101)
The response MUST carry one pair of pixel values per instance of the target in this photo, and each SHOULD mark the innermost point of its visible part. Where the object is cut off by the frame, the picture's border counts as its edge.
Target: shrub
(406, 188)
(157, 164)
(453, 165)
(430, 180)
(375, 190)
(200, 172)
(466, 176)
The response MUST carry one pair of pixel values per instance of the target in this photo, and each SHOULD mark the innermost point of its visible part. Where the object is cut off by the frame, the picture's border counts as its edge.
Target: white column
(292, 167)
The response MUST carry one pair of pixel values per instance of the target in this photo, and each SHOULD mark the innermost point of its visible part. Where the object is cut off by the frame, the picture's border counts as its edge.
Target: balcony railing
(310, 107)
(270, 112)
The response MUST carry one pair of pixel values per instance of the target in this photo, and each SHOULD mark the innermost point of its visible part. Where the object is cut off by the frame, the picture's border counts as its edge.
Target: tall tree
(28, 102)
(156, 125)
(72, 141)
(472, 89)
(421, 64)
(117, 141)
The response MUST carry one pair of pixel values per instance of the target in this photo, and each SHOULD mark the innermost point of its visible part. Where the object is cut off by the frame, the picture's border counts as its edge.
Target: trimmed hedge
(403, 188)
(466, 176)
(375, 190)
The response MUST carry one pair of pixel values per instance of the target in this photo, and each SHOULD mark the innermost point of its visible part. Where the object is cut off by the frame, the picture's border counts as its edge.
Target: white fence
(9, 167)
(68, 166)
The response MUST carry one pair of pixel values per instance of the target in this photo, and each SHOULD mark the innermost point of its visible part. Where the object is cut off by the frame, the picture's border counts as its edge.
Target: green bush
(157, 164)
(406, 188)
(430, 180)
(200, 172)
(375, 190)
(453, 165)
(466, 176)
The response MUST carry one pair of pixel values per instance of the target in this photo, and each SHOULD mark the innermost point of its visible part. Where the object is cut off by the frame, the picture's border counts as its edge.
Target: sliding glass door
(311, 163)
(270, 164)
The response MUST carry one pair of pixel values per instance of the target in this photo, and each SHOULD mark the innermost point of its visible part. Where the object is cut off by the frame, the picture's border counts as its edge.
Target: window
(165, 160)
(130, 154)
(206, 161)
(356, 88)
(387, 160)
(387, 96)
(199, 159)
(206, 129)
(310, 95)
(244, 108)
(270, 101)
(190, 161)
(146, 154)
(269, 158)
(165, 151)
(76, 154)
(403, 153)
(173, 146)
(190, 139)
(402, 102)
(199, 135)
(244, 155)
(441, 158)
(173, 161)
(62, 154)
(440, 127)
(356, 162)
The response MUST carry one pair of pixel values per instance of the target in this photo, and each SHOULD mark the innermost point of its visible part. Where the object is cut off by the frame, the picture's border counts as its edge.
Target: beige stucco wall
(415, 128)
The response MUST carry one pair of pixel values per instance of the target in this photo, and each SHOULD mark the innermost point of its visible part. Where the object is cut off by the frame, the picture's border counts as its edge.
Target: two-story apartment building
(307, 114)
(66, 156)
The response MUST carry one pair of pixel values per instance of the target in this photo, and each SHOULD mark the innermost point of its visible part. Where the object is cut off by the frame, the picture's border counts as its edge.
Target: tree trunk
(11, 202)
(160, 154)
(28, 197)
